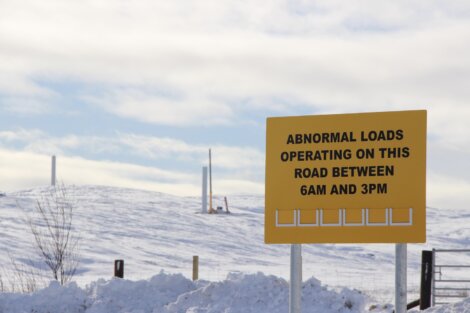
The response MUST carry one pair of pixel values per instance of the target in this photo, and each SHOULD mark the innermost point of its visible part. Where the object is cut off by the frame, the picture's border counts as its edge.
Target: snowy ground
(153, 232)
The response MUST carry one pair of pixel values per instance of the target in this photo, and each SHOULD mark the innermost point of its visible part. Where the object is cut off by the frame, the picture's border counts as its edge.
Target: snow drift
(458, 307)
(173, 293)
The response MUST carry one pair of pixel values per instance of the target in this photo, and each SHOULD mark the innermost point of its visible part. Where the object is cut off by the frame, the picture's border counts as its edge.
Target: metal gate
(451, 275)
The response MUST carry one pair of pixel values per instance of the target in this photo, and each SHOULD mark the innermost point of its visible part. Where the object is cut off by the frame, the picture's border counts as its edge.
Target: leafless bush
(54, 236)
(2, 284)
(25, 278)
(21, 277)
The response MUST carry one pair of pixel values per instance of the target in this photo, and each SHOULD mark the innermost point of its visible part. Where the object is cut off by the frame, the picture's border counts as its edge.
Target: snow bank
(458, 307)
(120, 295)
(173, 293)
(260, 293)
(53, 299)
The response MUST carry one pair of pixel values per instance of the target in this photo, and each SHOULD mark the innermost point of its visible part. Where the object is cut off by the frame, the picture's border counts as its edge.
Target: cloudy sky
(133, 93)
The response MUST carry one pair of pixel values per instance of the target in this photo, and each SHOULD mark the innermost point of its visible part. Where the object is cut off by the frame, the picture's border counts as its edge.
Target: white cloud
(330, 56)
(150, 147)
(26, 105)
(35, 140)
(228, 157)
(21, 135)
(161, 148)
(147, 107)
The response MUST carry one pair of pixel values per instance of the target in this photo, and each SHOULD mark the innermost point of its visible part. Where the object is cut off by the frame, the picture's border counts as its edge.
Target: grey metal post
(295, 291)
(204, 189)
(433, 290)
(210, 182)
(400, 277)
(53, 172)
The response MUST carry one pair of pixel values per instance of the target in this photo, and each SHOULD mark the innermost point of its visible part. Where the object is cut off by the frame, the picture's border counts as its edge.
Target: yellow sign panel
(346, 178)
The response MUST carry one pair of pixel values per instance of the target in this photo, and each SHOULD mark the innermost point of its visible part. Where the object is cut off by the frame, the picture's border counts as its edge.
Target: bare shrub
(54, 236)
(21, 276)
(25, 278)
(2, 284)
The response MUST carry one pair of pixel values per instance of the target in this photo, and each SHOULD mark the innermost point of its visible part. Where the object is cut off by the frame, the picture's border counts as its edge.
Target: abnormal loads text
(355, 154)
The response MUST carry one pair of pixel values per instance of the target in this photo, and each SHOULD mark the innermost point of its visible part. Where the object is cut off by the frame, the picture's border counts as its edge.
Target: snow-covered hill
(152, 231)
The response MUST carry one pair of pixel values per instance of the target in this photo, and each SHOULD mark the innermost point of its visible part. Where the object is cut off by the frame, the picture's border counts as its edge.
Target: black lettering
(335, 172)
(393, 153)
(284, 156)
(334, 190)
(374, 189)
(372, 135)
(334, 137)
(292, 155)
(363, 138)
(363, 171)
(309, 190)
(399, 134)
(309, 155)
(290, 139)
(381, 136)
(310, 172)
(316, 138)
(351, 137)
(406, 152)
(343, 189)
(298, 173)
(307, 138)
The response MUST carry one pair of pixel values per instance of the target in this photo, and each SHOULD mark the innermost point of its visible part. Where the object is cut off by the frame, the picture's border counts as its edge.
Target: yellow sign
(346, 178)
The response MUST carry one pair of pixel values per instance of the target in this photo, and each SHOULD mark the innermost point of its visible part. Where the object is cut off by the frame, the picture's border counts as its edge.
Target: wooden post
(119, 268)
(195, 267)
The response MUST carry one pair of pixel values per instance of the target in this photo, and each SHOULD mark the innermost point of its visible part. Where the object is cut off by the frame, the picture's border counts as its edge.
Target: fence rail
(445, 287)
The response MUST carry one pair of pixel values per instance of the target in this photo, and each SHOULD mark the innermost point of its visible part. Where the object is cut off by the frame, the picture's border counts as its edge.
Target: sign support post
(400, 277)
(295, 290)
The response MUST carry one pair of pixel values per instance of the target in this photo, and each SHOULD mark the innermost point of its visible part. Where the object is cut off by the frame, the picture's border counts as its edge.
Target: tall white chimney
(53, 172)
